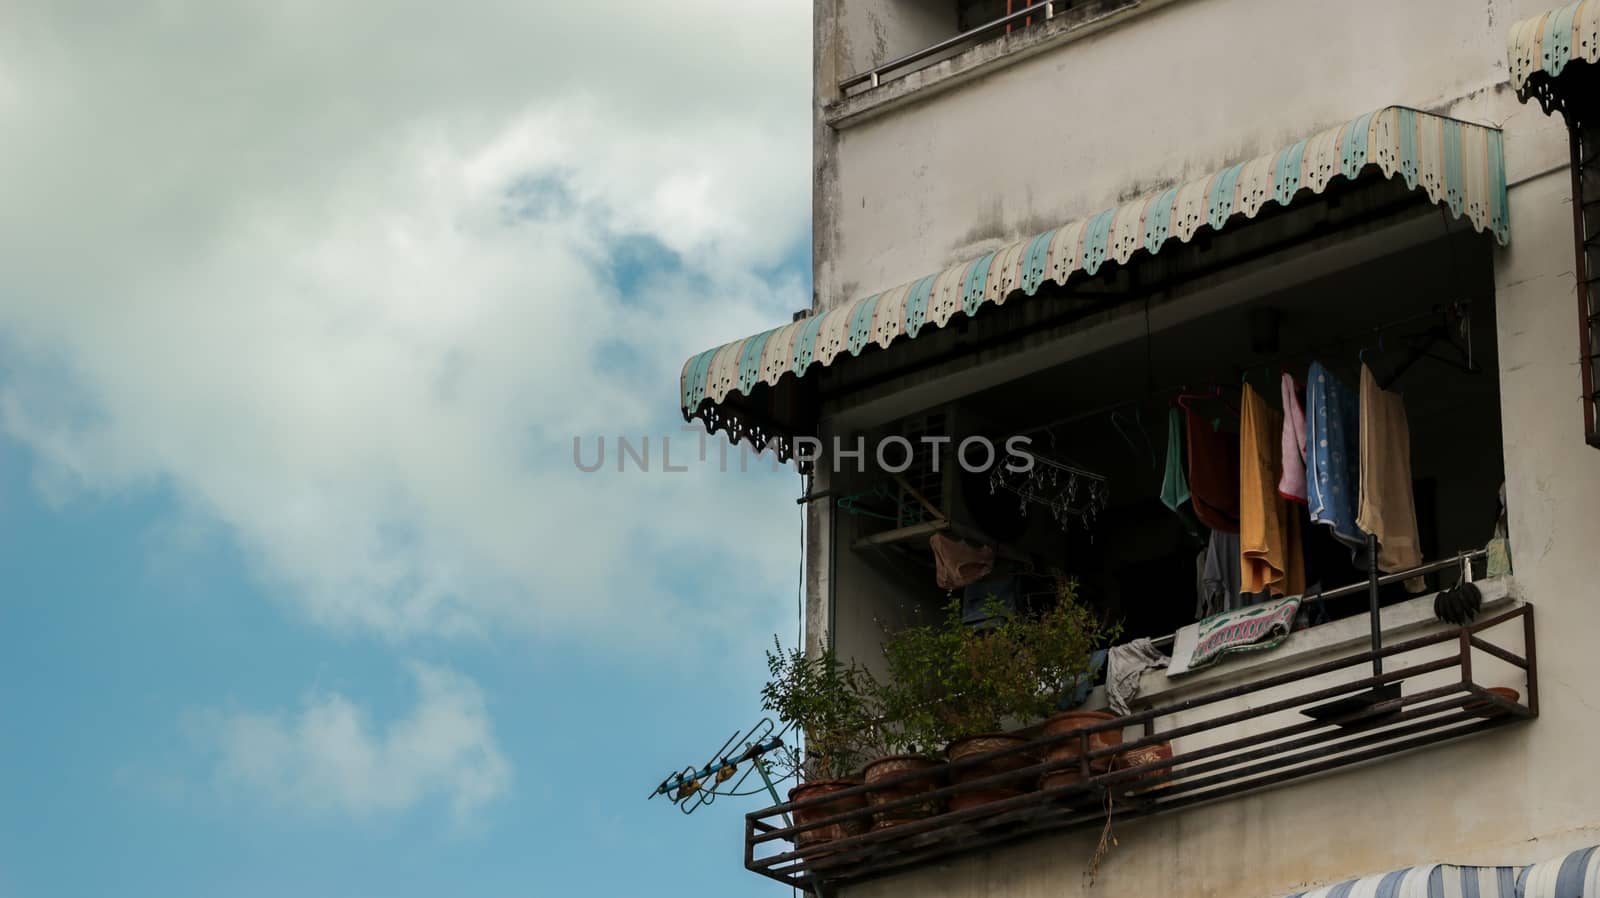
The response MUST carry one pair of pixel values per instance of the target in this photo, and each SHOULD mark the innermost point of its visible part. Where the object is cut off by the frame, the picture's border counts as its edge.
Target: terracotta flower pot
(839, 806)
(1484, 709)
(980, 744)
(899, 765)
(1061, 778)
(1147, 754)
(964, 800)
(1070, 721)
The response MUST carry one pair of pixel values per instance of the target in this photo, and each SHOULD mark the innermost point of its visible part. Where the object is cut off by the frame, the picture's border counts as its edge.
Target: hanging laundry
(1219, 578)
(1499, 547)
(1174, 485)
(1213, 474)
(1292, 485)
(986, 602)
(1083, 687)
(1332, 451)
(957, 564)
(1327, 559)
(1125, 666)
(1387, 507)
(1269, 537)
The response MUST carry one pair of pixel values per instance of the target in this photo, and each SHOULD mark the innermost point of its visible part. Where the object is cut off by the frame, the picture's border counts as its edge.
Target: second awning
(1541, 47)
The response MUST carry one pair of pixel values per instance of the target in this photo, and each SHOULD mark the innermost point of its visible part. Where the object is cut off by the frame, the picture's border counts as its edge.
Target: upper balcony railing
(1210, 747)
(1029, 13)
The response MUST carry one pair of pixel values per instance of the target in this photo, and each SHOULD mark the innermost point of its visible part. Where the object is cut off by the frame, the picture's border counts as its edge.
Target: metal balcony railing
(1037, 12)
(1219, 751)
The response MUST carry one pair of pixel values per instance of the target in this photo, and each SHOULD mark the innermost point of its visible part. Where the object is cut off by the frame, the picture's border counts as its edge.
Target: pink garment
(1292, 484)
(958, 564)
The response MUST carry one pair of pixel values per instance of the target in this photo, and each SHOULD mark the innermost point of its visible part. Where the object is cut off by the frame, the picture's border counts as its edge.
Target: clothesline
(1267, 363)
(1463, 559)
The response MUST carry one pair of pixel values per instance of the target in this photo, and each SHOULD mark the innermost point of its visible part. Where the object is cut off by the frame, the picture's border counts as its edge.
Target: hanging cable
(1149, 353)
(800, 591)
(800, 588)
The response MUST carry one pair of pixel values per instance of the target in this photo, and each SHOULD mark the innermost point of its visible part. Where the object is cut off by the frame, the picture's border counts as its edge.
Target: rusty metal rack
(1431, 708)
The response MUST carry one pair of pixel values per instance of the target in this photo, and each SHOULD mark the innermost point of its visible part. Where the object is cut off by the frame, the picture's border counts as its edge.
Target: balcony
(1031, 26)
(1225, 743)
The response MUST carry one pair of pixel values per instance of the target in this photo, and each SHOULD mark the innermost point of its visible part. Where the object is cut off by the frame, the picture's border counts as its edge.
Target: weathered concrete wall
(1553, 495)
(877, 31)
(1167, 93)
(1170, 91)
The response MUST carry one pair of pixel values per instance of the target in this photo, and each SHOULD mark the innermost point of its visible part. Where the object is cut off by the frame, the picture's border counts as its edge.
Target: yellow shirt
(1270, 555)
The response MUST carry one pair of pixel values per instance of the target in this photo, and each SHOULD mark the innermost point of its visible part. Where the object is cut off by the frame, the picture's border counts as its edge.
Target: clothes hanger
(1227, 403)
(1362, 355)
(867, 504)
(1117, 418)
(1116, 424)
(1214, 392)
(1244, 376)
(1421, 345)
(1149, 444)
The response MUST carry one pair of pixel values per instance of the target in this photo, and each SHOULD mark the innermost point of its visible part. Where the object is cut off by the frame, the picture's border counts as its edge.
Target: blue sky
(107, 658)
(302, 592)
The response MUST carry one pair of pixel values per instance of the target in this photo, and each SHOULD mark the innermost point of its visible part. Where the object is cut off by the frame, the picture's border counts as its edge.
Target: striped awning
(1575, 875)
(1541, 47)
(733, 387)
(1430, 881)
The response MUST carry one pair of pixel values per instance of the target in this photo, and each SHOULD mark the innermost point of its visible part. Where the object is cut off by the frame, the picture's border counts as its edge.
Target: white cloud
(341, 280)
(329, 758)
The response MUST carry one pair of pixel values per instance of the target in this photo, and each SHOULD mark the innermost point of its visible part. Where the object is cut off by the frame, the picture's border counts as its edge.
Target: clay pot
(843, 805)
(899, 765)
(980, 744)
(1147, 754)
(1061, 778)
(1069, 721)
(1484, 709)
(964, 800)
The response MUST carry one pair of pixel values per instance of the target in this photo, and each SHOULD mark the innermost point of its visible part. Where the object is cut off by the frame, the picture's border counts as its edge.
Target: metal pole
(1372, 603)
(762, 769)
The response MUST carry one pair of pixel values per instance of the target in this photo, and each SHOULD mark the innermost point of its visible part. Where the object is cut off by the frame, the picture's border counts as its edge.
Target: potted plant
(960, 685)
(827, 700)
(910, 738)
(1062, 642)
(901, 759)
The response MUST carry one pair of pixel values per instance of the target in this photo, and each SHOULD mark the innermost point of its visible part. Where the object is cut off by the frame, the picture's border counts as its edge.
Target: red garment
(1213, 474)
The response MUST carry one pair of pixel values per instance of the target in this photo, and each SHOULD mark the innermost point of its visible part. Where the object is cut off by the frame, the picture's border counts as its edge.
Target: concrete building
(1054, 223)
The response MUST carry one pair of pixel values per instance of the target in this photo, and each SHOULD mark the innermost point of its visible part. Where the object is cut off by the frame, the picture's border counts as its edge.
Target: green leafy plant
(950, 680)
(830, 701)
(1062, 640)
(922, 674)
